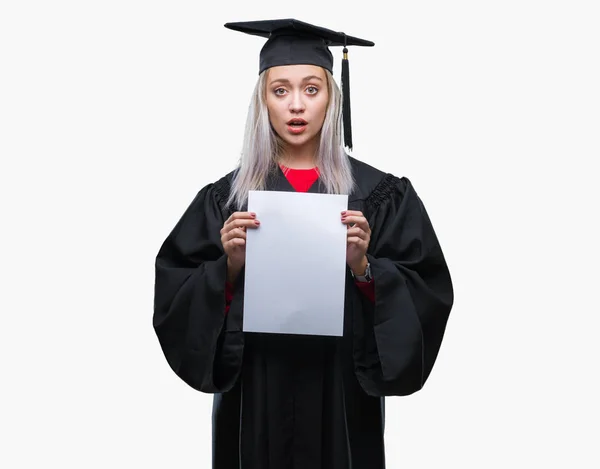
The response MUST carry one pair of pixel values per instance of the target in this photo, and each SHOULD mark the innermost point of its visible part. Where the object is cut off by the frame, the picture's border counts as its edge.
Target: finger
(228, 228)
(361, 222)
(247, 223)
(237, 215)
(240, 223)
(358, 232)
(354, 219)
(233, 243)
(236, 222)
(240, 216)
(352, 213)
(359, 242)
(235, 233)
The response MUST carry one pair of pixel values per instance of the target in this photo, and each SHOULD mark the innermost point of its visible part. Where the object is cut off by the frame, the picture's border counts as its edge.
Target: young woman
(292, 401)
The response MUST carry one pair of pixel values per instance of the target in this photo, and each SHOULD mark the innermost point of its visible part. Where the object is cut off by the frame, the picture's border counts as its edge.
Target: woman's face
(297, 97)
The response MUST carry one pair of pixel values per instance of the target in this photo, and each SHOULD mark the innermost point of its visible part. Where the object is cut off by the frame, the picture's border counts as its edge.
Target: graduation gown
(290, 401)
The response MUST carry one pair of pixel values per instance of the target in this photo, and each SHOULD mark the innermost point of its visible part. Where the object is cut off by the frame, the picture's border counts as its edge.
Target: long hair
(262, 147)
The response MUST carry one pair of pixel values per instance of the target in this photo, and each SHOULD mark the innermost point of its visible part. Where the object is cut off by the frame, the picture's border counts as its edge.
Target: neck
(299, 158)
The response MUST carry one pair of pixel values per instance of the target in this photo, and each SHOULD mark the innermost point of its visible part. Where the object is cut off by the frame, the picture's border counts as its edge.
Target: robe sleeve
(397, 339)
(189, 298)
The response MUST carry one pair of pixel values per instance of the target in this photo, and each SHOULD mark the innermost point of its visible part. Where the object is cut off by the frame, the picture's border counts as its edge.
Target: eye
(312, 90)
(279, 91)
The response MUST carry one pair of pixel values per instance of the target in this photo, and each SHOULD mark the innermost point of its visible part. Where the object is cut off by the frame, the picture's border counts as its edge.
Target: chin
(301, 141)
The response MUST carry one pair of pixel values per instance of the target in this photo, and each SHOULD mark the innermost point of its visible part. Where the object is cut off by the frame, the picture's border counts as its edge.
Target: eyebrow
(285, 80)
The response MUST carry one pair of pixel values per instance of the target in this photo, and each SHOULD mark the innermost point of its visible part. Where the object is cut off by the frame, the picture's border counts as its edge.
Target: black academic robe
(296, 402)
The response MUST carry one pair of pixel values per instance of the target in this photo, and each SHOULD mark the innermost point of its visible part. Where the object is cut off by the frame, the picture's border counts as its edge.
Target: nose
(297, 102)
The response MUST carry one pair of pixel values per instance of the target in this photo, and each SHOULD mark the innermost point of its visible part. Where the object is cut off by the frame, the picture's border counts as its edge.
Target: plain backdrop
(113, 114)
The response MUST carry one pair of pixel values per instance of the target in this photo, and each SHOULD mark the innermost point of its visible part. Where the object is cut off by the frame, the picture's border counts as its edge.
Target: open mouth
(296, 126)
(297, 123)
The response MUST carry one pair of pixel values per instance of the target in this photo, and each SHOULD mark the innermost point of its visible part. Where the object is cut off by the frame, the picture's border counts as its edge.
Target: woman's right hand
(233, 239)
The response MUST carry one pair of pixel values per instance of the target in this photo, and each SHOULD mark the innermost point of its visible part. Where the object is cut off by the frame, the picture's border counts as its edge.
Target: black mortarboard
(292, 42)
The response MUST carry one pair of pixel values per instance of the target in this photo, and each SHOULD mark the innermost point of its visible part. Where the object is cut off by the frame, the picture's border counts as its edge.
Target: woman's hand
(233, 239)
(359, 236)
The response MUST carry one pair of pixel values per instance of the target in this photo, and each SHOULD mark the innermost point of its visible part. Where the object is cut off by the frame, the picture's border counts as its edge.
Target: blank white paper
(295, 264)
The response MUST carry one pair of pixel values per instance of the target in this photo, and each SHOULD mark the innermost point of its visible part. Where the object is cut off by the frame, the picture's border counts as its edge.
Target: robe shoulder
(367, 178)
(375, 187)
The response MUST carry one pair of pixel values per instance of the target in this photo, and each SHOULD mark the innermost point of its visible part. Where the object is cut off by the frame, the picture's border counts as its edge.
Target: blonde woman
(292, 401)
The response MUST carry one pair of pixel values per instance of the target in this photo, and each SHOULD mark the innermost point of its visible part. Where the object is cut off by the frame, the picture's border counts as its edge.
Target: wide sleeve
(189, 299)
(397, 339)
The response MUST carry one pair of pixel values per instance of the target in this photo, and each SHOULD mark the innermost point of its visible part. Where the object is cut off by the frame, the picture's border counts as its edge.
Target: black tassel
(346, 100)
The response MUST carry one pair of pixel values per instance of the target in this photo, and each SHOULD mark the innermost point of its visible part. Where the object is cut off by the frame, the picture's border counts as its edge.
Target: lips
(296, 126)
(297, 122)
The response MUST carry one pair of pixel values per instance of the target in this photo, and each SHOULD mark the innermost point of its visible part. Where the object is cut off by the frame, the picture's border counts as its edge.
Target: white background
(113, 114)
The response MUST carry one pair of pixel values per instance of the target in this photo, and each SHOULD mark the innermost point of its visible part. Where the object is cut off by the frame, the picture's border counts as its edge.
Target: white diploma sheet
(295, 264)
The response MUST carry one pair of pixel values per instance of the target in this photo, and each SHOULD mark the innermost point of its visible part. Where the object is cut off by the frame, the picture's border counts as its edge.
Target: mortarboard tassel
(346, 100)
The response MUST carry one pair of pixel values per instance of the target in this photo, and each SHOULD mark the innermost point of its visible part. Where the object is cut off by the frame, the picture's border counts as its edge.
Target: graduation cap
(292, 42)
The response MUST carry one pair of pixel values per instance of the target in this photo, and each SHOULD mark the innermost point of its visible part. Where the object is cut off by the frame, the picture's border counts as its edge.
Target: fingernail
(256, 222)
(253, 214)
(344, 212)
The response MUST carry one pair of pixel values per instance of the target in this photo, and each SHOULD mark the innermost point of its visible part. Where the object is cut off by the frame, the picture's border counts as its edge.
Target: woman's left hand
(359, 235)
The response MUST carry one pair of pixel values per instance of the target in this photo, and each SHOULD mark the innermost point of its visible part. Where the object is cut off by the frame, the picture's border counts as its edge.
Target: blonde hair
(262, 147)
